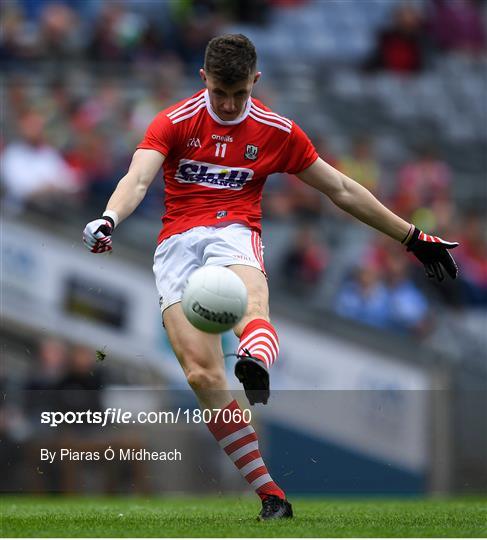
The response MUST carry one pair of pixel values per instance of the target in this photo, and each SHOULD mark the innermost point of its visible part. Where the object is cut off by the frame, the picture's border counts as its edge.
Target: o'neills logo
(222, 317)
(222, 138)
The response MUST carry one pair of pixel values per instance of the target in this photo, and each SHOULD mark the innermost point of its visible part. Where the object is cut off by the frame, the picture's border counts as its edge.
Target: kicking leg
(259, 344)
(201, 358)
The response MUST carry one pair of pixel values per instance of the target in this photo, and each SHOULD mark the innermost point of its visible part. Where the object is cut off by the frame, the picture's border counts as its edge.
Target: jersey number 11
(221, 149)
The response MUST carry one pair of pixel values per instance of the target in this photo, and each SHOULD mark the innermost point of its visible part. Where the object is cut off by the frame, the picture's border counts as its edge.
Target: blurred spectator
(54, 36)
(286, 196)
(34, 174)
(151, 42)
(361, 164)
(116, 34)
(58, 104)
(88, 156)
(16, 105)
(300, 200)
(457, 25)
(363, 297)
(95, 154)
(50, 366)
(59, 37)
(407, 306)
(423, 189)
(18, 38)
(162, 93)
(102, 109)
(41, 387)
(304, 262)
(399, 47)
(83, 373)
(381, 293)
(197, 22)
(80, 387)
(471, 256)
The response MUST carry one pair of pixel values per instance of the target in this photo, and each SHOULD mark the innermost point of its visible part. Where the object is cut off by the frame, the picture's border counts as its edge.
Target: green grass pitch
(70, 516)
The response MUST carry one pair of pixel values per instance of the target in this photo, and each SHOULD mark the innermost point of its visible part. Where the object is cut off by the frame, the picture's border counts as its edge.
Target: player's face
(229, 101)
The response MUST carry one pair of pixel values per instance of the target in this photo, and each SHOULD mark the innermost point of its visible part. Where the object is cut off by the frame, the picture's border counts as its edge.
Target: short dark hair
(230, 58)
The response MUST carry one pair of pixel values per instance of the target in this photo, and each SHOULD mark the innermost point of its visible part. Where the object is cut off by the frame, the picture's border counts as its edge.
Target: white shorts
(177, 257)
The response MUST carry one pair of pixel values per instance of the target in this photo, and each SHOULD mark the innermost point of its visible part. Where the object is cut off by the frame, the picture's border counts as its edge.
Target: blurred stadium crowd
(82, 80)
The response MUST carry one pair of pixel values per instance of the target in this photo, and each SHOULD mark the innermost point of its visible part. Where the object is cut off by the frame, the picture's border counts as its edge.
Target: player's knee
(203, 379)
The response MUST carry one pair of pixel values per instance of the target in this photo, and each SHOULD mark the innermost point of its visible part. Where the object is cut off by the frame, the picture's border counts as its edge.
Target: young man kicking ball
(217, 149)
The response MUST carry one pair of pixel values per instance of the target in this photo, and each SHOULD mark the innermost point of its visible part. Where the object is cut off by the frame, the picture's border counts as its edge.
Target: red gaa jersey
(215, 170)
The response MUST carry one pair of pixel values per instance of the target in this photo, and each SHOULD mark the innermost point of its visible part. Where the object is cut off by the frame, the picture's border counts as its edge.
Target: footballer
(216, 149)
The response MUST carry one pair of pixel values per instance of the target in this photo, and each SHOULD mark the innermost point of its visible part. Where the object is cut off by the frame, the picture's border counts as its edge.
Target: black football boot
(275, 508)
(254, 376)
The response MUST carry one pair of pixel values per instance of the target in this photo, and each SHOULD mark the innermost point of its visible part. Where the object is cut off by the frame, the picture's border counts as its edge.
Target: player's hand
(434, 253)
(97, 236)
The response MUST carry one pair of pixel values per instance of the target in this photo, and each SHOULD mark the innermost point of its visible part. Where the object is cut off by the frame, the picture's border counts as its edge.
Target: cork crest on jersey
(251, 152)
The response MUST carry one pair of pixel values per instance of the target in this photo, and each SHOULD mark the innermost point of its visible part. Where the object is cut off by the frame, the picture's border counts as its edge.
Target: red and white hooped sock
(259, 337)
(239, 441)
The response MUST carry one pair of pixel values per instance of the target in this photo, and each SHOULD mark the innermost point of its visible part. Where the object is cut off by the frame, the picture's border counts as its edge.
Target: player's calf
(240, 442)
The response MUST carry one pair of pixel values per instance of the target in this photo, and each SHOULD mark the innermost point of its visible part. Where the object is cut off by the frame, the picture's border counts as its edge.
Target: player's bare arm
(356, 200)
(128, 194)
(132, 188)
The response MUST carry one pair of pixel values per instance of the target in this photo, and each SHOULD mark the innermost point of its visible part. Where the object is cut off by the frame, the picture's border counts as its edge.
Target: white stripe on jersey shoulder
(173, 116)
(262, 120)
(184, 106)
(189, 112)
(270, 114)
(272, 117)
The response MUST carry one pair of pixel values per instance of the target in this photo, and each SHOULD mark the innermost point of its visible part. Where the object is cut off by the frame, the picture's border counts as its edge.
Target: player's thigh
(258, 295)
(194, 349)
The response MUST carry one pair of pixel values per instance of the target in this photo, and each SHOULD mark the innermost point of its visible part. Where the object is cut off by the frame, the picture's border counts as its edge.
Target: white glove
(97, 236)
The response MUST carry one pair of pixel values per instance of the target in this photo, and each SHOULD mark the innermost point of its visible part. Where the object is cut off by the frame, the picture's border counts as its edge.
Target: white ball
(215, 299)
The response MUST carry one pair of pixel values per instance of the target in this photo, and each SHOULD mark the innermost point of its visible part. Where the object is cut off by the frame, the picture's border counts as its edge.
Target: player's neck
(242, 116)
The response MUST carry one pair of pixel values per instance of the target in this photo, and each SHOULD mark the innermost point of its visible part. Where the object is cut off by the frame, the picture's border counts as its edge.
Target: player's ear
(257, 76)
(203, 75)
